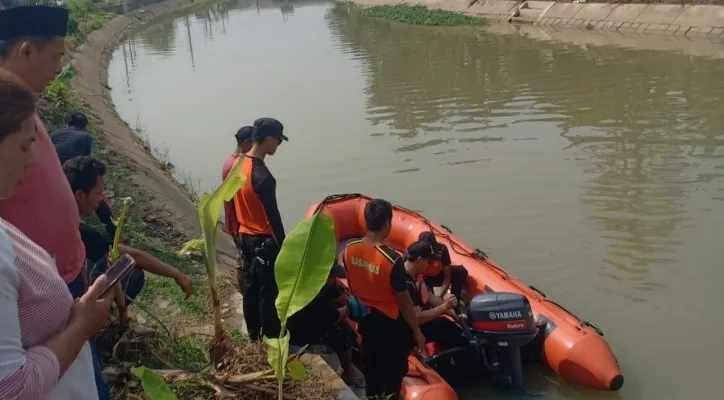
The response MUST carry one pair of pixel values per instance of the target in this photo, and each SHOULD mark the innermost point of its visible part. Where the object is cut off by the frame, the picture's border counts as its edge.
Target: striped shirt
(35, 305)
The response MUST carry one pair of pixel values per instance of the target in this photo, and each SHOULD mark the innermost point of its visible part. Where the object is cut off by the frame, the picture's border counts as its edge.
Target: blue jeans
(104, 392)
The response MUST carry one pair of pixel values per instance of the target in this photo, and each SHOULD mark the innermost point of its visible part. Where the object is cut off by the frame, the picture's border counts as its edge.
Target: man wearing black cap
(261, 230)
(243, 145)
(32, 45)
(440, 272)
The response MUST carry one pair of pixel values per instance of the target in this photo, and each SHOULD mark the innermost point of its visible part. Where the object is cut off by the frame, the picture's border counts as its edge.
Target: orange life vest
(369, 269)
(249, 210)
(434, 267)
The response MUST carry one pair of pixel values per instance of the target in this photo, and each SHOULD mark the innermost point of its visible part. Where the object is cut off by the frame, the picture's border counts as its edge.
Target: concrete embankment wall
(91, 81)
(690, 20)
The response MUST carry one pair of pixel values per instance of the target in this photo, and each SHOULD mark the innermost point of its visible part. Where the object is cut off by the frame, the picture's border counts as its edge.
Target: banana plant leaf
(303, 264)
(301, 269)
(209, 211)
(153, 385)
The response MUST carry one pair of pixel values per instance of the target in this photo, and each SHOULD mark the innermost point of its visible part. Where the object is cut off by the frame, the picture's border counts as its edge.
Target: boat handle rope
(537, 290)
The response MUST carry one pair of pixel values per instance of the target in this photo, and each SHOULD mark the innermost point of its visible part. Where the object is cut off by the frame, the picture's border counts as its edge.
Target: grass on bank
(420, 15)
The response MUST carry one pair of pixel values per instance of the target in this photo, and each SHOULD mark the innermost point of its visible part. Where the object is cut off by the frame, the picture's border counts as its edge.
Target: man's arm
(149, 263)
(446, 269)
(404, 302)
(437, 310)
(266, 190)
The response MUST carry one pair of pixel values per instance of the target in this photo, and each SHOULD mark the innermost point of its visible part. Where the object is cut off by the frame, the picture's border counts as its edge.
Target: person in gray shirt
(72, 140)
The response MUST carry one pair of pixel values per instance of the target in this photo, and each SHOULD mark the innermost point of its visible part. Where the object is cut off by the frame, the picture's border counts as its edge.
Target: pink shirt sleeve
(24, 373)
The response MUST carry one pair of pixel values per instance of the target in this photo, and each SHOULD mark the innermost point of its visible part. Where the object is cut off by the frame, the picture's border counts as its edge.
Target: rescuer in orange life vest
(440, 272)
(389, 328)
(261, 231)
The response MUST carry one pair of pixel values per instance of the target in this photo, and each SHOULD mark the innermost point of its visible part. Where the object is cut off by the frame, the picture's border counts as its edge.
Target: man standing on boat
(389, 329)
(243, 145)
(441, 272)
(261, 231)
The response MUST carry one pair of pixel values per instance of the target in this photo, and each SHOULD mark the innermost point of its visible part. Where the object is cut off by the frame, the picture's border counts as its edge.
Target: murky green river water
(595, 173)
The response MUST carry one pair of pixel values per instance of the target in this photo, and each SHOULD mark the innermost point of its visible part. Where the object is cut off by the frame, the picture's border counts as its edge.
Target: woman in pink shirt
(44, 350)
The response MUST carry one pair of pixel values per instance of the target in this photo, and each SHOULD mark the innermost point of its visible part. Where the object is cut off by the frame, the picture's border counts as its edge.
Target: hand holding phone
(117, 272)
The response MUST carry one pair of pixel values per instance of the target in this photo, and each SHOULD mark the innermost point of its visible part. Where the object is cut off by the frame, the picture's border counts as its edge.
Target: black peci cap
(21, 21)
(269, 127)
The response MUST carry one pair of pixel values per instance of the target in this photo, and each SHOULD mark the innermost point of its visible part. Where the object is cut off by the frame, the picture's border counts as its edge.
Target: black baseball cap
(422, 249)
(268, 127)
(243, 134)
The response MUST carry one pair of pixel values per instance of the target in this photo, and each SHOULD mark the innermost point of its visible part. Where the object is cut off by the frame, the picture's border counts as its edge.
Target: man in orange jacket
(377, 279)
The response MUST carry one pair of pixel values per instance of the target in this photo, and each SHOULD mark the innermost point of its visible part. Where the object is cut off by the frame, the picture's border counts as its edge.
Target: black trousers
(260, 287)
(458, 278)
(444, 332)
(386, 345)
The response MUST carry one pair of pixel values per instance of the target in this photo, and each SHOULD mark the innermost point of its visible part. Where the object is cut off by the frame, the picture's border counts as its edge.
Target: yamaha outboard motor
(501, 323)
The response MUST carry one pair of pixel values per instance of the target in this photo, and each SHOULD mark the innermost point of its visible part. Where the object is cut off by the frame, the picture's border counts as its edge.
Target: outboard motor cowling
(503, 322)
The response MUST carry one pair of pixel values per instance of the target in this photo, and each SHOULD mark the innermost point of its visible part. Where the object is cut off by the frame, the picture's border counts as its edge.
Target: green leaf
(153, 385)
(277, 355)
(115, 252)
(296, 370)
(209, 211)
(303, 264)
(194, 245)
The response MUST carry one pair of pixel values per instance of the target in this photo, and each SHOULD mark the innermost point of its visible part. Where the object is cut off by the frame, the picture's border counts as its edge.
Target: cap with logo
(31, 21)
(269, 127)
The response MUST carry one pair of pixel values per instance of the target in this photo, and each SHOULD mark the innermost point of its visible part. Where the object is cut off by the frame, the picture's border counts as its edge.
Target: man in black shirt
(430, 309)
(260, 229)
(86, 176)
(324, 321)
(73, 141)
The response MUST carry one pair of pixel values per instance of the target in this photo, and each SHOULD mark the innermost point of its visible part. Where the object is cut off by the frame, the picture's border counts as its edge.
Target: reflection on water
(596, 173)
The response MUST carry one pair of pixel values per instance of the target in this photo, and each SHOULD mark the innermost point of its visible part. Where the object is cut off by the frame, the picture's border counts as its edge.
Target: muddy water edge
(595, 173)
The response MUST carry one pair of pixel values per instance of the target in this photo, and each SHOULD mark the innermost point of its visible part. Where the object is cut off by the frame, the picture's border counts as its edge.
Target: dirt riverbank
(91, 82)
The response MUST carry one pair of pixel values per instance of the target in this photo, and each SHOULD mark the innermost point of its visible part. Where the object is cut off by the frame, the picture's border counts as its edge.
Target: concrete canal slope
(689, 20)
(91, 62)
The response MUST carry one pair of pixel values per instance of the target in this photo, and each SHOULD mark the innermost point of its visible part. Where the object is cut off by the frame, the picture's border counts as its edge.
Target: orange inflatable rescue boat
(505, 314)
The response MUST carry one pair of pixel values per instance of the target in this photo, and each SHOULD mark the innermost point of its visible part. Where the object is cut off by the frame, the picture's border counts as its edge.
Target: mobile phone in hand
(121, 269)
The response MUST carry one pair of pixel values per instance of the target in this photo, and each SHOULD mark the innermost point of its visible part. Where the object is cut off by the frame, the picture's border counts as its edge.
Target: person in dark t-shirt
(73, 141)
(260, 229)
(431, 310)
(86, 176)
(324, 321)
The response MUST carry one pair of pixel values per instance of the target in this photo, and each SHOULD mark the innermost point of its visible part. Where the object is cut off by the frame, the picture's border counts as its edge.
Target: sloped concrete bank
(689, 20)
(91, 81)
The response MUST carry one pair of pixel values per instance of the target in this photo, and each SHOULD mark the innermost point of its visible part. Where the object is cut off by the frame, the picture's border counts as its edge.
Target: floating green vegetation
(420, 15)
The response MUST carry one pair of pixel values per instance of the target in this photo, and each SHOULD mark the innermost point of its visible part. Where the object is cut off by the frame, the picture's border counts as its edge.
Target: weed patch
(420, 15)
